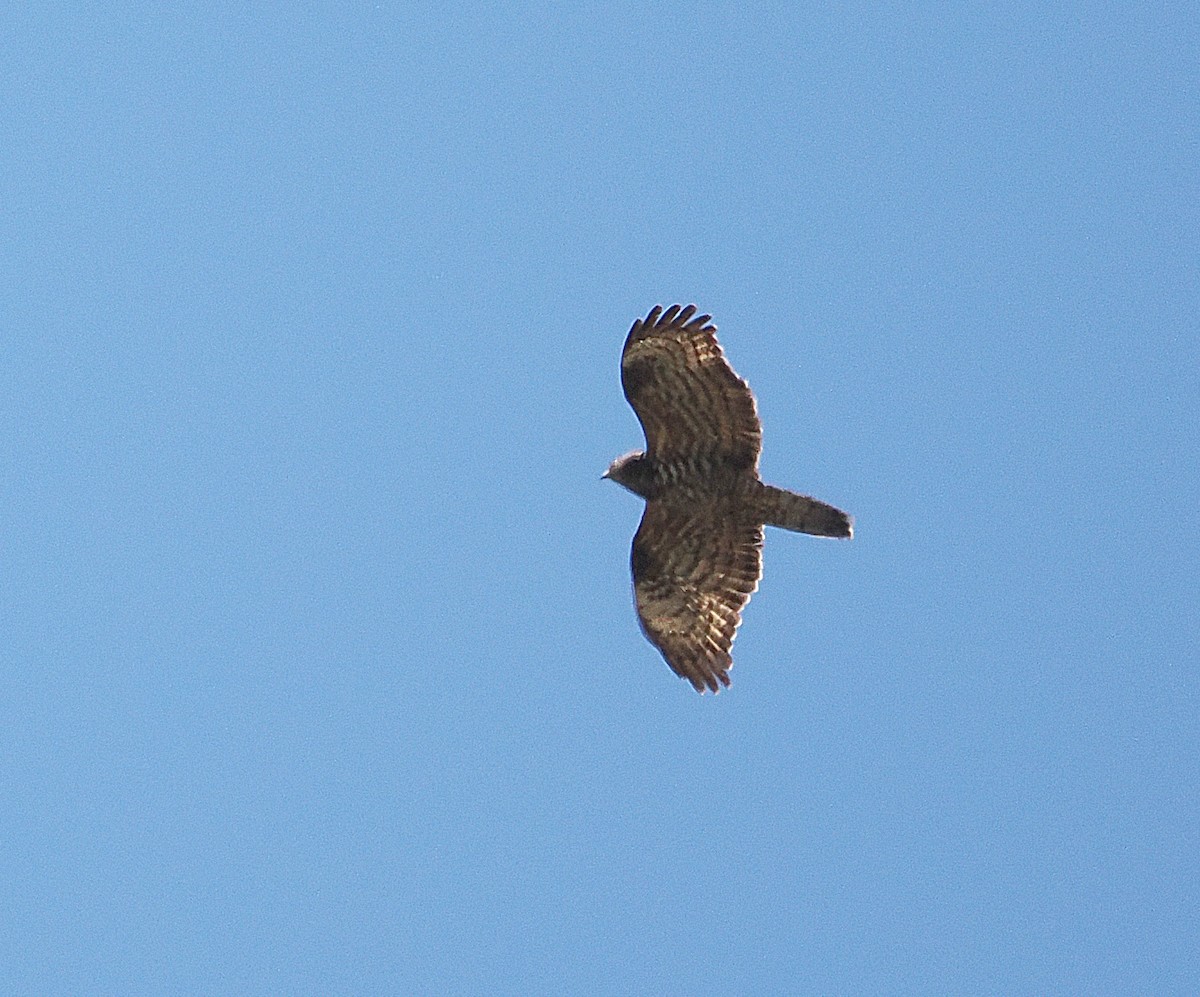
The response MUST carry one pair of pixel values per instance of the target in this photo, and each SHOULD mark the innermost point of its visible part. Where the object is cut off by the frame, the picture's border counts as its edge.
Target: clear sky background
(320, 668)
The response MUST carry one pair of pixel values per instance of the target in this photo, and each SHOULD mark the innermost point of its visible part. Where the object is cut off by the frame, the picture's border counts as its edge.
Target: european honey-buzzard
(697, 555)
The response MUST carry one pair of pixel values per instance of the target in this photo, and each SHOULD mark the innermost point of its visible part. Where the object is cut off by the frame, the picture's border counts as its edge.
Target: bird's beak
(604, 475)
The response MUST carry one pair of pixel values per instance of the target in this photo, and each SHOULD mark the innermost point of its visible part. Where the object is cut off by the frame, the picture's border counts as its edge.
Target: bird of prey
(697, 555)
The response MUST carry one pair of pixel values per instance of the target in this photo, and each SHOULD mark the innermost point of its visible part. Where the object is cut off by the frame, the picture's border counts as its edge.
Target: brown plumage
(697, 555)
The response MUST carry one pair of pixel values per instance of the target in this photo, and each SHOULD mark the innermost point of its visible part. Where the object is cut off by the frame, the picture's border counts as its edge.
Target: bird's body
(697, 555)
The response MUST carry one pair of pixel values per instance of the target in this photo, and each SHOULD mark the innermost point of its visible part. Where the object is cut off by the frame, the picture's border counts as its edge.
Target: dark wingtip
(710, 681)
(682, 316)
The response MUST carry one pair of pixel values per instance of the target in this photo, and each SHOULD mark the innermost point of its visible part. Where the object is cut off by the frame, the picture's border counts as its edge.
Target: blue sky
(320, 668)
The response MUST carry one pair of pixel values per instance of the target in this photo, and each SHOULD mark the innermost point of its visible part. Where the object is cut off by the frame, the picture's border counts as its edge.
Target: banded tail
(802, 514)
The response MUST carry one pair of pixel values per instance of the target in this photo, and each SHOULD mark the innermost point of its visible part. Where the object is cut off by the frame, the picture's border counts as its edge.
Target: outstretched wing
(687, 397)
(694, 569)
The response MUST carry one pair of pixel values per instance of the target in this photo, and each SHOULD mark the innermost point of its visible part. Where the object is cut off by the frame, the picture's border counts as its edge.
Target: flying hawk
(697, 555)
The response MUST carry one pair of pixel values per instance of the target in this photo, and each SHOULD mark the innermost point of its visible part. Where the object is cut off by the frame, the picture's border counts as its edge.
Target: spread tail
(802, 514)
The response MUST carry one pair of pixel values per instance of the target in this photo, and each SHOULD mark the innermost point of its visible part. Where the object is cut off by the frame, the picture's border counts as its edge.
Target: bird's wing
(687, 397)
(694, 569)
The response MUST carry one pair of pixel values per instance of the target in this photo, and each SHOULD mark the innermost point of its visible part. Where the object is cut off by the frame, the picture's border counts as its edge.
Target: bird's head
(631, 471)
